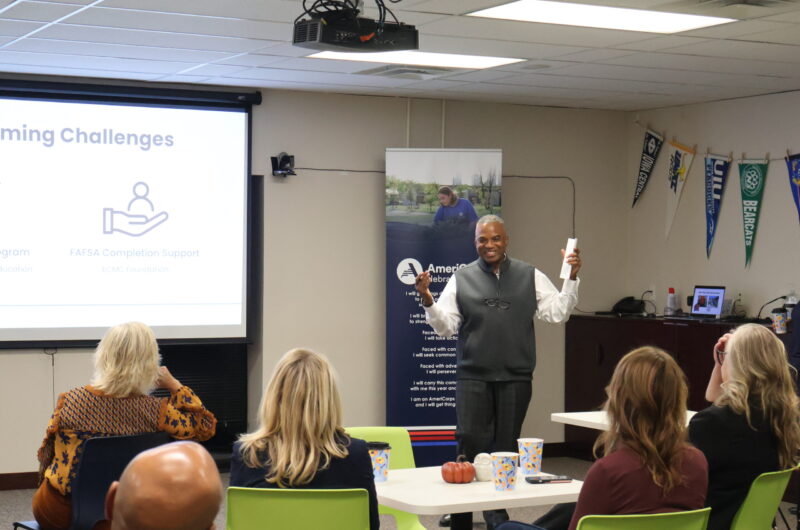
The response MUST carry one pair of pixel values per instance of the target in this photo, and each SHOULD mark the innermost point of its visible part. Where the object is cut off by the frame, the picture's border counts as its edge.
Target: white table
(594, 419)
(423, 492)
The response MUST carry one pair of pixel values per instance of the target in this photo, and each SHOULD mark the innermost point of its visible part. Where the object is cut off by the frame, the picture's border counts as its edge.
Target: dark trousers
(489, 418)
(489, 415)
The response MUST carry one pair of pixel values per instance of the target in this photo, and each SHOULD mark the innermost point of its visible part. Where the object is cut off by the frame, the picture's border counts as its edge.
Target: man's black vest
(496, 341)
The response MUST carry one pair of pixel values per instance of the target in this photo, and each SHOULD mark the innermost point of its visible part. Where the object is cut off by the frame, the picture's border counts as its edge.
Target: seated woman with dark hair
(753, 425)
(300, 441)
(116, 403)
(648, 465)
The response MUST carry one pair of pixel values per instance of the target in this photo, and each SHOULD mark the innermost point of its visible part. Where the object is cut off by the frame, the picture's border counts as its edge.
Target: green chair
(298, 509)
(691, 520)
(400, 457)
(761, 504)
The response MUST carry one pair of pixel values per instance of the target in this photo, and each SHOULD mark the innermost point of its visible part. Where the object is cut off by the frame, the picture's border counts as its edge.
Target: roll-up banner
(752, 178)
(433, 198)
(680, 162)
(793, 164)
(716, 177)
(650, 149)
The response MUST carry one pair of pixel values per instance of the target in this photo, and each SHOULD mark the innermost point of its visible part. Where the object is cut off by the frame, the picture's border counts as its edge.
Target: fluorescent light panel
(418, 58)
(593, 16)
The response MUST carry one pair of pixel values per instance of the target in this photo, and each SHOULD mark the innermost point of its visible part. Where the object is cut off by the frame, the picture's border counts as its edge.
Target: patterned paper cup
(530, 455)
(379, 453)
(504, 471)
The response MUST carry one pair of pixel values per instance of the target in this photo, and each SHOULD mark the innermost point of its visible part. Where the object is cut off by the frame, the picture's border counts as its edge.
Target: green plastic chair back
(759, 507)
(298, 509)
(400, 457)
(691, 520)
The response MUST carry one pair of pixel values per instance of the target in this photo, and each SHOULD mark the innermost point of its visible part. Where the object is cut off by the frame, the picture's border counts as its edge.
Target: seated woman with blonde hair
(752, 426)
(300, 441)
(648, 465)
(116, 403)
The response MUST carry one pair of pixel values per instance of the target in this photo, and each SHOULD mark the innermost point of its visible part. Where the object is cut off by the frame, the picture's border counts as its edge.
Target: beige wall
(324, 232)
(755, 126)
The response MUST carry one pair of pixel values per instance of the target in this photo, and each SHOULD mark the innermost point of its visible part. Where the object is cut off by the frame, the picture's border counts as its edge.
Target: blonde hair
(299, 421)
(759, 375)
(126, 361)
(646, 409)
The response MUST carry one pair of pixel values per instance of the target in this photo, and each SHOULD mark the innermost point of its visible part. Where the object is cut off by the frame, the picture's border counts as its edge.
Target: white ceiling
(246, 43)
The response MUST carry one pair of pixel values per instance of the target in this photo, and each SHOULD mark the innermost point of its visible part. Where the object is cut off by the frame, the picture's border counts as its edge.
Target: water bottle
(672, 303)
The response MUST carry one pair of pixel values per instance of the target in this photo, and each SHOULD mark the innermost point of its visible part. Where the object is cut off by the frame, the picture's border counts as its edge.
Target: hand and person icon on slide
(138, 219)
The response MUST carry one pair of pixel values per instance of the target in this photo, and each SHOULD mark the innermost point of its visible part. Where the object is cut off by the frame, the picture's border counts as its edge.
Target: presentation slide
(112, 213)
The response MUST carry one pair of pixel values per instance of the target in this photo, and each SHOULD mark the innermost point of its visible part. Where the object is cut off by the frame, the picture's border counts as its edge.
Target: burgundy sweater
(620, 484)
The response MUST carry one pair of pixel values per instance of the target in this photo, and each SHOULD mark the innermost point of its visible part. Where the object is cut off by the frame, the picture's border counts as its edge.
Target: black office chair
(102, 462)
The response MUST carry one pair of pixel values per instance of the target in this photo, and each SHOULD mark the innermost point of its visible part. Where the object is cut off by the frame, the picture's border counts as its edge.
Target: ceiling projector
(341, 29)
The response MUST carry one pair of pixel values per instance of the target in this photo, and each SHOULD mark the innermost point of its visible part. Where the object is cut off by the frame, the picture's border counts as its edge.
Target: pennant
(652, 146)
(680, 161)
(752, 177)
(716, 176)
(793, 163)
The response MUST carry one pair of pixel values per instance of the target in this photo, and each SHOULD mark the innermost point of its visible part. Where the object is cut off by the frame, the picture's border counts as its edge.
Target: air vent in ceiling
(404, 71)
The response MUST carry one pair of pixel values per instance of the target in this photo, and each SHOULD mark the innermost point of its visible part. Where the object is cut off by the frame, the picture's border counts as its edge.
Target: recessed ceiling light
(592, 16)
(446, 60)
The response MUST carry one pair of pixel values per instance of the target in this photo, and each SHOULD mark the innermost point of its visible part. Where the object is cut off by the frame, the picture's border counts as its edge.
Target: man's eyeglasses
(719, 355)
(497, 302)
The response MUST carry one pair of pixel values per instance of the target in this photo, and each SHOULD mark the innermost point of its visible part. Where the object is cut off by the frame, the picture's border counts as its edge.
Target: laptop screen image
(707, 301)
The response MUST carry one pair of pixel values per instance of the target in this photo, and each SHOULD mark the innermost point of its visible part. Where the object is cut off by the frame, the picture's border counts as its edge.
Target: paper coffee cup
(530, 455)
(379, 453)
(504, 470)
(779, 320)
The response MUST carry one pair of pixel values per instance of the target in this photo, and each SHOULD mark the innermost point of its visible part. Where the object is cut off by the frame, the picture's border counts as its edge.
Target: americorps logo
(408, 270)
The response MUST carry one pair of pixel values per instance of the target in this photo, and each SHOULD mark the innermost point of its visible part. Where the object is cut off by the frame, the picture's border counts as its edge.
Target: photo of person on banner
(452, 209)
(491, 304)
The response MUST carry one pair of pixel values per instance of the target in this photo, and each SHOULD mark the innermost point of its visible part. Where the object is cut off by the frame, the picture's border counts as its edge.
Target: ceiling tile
(326, 65)
(734, 29)
(787, 34)
(74, 72)
(276, 74)
(180, 23)
(595, 55)
(496, 48)
(252, 60)
(16, 28)
(274, 10)
(147, 38)
(660, 43)
(210, 70)
(699, 63)
(88, 62)
(452, 7)
(477, 28)
(38, 11)
(116, 50)
(743, 50)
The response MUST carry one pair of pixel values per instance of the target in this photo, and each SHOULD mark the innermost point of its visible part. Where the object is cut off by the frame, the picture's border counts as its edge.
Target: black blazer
(736, 455)
(353, 471)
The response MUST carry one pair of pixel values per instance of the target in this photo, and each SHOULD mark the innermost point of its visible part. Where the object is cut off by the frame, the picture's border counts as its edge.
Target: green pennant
(752, 178)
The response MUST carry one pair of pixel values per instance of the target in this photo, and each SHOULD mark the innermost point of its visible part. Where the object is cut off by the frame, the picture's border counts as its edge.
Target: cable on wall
(52, 353)
(572, 182)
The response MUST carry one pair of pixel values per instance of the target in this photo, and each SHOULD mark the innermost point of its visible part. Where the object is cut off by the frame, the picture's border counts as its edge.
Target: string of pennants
(752, 179)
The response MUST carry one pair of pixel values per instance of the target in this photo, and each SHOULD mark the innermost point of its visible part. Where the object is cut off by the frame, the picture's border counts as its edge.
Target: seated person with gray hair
(171, 487)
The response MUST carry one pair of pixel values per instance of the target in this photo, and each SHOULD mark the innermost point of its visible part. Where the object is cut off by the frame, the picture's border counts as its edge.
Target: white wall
(755, 126)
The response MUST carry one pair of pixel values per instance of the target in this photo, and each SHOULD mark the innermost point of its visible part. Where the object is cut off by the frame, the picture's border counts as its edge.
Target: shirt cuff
(571, 286)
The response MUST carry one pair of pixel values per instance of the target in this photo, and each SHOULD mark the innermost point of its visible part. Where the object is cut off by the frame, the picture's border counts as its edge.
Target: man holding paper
(491, 304)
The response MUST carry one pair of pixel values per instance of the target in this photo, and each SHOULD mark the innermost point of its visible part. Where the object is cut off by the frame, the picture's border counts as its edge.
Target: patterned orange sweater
(85, 412)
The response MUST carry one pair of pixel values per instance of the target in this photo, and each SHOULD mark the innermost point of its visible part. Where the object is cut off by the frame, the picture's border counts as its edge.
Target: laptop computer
(706, 303)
